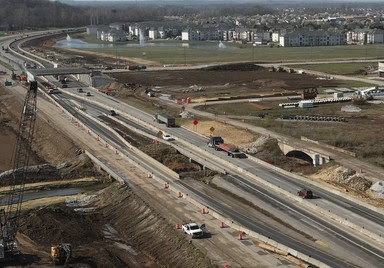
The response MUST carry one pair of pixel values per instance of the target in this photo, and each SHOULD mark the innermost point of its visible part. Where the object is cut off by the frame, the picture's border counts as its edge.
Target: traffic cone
(226, 266)
(240, 237)
(177, 225)
(106, 145)
(222, 225)
(98, 138)
(203, 211)
(166, 185)
(180, 195)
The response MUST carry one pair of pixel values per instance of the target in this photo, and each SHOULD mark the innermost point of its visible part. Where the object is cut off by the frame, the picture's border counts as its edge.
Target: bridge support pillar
(317, 160)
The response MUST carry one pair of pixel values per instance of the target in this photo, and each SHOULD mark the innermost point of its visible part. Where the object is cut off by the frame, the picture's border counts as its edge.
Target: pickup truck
(194, 230)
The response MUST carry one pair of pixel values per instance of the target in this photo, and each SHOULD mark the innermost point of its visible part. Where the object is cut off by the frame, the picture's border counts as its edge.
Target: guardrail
(191, 198)
(134, 150)
(183, 151)
(231, 166)
(328, 146)
(313, 207)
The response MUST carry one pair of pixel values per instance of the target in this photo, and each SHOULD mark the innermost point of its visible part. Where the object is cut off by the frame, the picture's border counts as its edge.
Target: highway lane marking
(220, 211)
(308, 218)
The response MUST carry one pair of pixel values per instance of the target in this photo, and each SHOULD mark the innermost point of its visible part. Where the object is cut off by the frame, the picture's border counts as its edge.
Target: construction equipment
(305, 194)
(161, 118)
(218, 144)
(10, 216)
(61, 254)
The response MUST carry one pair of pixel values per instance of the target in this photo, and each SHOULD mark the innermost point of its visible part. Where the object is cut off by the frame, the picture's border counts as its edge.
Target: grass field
(240, 52)
(339, 68)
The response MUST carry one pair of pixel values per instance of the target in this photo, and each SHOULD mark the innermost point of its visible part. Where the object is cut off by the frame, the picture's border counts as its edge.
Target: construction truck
(169, 121)
(305, 194)
(61, 254)
(218, 144)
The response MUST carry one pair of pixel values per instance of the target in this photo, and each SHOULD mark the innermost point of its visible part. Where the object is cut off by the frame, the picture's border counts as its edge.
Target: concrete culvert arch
(300, 155)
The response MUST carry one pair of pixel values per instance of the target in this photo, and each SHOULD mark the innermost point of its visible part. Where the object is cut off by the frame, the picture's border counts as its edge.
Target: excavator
(61, 254)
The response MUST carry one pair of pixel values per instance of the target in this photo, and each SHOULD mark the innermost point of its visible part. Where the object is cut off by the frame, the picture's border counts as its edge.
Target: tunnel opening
(300, 155)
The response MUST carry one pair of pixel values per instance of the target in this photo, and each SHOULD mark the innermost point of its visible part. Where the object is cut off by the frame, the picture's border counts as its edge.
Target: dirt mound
(80, 167)
(235, 67)
(269, 151)
(114, 86)
(171, 158)
(123, 231)
(48, 146)
(343, 177)
(230, 134)
(50, 225)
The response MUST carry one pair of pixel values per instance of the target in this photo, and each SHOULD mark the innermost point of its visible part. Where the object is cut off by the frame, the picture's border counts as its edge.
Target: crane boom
(11, 214)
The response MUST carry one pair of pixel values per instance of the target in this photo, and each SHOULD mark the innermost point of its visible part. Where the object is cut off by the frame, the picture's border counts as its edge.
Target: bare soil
(165, 154)
(108, 236)
(238, 80)
(8, 132)
(123, 231)
(48, 144)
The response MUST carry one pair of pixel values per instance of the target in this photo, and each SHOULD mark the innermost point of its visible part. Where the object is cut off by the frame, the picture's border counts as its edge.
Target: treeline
(37, 14)
(34, 14)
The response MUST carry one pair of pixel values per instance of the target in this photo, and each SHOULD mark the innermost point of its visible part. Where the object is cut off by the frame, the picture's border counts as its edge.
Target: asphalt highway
(272, 176)
(275, 200)
(252, 224)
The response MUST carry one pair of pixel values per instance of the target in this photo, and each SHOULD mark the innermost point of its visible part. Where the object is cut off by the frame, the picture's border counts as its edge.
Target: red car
(305, 194)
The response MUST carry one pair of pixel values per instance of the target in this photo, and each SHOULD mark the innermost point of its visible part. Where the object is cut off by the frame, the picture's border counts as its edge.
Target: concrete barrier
(240, 170)
(317, 184)
(328, 146)
(310, 206)
(104, 167)
(134, 150)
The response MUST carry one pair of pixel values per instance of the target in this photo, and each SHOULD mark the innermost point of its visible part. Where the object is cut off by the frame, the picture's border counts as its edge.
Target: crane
(10, 216)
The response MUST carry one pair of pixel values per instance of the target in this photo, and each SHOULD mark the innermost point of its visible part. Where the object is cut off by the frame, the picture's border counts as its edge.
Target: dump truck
(167, 120)
(218, 144)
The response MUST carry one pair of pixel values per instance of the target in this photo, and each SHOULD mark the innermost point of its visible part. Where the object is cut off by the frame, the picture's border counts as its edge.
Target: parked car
(168, 137)
(89, 94)
(64, 86)
(305, 194)
(112, 113)
(80, 90)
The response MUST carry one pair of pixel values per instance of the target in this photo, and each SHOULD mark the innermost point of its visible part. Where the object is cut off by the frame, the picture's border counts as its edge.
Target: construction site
(59, 206)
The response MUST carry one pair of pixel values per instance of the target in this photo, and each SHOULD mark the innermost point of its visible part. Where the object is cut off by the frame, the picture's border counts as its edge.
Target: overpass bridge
(305, 154)
(82, 75)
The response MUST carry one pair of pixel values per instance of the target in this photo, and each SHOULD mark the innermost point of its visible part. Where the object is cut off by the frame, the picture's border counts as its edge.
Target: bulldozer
(61, 254)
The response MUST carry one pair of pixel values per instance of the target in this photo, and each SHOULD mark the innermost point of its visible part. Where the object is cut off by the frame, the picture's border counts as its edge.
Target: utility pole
(253, 52)
(185, 57)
